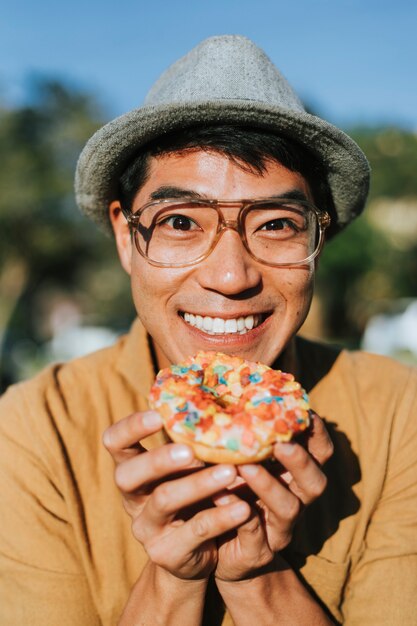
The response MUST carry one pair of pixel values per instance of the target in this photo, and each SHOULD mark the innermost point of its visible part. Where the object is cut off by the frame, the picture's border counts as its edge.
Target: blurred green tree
(375, 260)
(45, 242)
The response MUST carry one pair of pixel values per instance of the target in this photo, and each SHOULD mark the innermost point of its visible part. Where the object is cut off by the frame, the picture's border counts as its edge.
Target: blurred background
(67, 68)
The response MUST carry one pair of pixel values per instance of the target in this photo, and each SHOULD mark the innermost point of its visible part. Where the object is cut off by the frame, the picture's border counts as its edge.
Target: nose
(229, 269)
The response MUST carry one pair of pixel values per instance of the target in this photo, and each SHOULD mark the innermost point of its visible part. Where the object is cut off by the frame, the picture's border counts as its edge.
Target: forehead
(215, 175)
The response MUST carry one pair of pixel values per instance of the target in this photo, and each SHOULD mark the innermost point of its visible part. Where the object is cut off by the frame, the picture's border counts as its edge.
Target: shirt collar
(135, 362)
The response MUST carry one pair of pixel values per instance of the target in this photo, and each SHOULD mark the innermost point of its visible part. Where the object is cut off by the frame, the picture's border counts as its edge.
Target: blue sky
(353, 60)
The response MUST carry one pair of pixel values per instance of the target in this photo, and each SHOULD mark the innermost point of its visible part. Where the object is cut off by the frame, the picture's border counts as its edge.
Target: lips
(220, 326)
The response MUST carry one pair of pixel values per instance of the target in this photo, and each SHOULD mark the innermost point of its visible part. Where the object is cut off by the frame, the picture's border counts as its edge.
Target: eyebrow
(292, 194)
(169, 191)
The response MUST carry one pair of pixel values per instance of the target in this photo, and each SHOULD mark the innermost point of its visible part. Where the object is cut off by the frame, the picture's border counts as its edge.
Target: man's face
(228, 284)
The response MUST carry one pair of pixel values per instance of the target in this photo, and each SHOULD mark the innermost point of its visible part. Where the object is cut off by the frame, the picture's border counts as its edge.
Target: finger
(319, 444)
(201, 528)
(304, 476)
(280, 501)
(170, 497)
(253, 542)
(122, 439)
(222, 498)
(251, 534)
(153, 465)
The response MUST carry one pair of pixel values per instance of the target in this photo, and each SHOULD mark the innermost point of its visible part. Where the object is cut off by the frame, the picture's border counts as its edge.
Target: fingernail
(222, 500)
(239, 511)
(285, 448)
(106, 438)
(180, 453)
(286, 477)
(222, 472)
(197, 463)
(250, 470)
(151, 419)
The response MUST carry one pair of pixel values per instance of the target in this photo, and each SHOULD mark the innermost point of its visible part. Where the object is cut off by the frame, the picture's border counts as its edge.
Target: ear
(122, 235)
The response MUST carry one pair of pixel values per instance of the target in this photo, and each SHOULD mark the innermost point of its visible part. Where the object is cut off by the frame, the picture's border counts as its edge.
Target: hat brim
(108, 152)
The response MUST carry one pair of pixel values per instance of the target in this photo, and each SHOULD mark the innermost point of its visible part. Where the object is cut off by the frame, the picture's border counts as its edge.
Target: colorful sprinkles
(226, 402)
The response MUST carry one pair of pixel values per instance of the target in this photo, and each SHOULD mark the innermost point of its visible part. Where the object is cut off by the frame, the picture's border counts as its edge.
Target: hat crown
(227, 67)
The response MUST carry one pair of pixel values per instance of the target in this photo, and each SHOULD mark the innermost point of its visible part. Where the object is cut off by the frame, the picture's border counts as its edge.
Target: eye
(280, 224)
(274, 220)
(179, 222)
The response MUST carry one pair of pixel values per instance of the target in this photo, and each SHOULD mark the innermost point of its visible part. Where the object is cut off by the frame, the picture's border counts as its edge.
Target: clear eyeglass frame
(323, 222)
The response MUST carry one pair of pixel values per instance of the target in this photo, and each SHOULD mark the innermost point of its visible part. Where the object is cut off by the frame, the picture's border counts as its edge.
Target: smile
(220, 326)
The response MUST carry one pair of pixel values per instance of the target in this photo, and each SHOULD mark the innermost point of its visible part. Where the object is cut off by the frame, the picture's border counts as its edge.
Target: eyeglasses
(179, 232)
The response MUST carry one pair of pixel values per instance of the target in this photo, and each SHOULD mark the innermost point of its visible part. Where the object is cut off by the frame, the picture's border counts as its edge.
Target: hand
(165, 492)
(278, 502)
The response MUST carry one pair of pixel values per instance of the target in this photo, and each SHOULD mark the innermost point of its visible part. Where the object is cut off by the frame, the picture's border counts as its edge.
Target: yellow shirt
(67, 554)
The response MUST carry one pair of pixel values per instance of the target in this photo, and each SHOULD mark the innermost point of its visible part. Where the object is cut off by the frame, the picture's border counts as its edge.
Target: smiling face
(228, 302)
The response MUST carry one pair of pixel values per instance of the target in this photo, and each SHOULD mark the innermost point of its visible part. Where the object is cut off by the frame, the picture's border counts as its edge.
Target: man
(219, 192)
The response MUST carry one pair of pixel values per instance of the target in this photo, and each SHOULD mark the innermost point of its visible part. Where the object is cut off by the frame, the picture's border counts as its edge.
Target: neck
(287, 361)
(161, 360)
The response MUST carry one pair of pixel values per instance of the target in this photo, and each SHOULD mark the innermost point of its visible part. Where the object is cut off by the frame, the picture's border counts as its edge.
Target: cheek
(297, 291)
(297, 283)
(153, 288)
(144, 288)
(304, 295)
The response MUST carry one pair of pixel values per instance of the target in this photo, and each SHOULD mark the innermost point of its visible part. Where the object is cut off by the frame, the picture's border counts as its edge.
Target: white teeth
(230, 326)
(219, 326)
(208, 323)
(249, 321)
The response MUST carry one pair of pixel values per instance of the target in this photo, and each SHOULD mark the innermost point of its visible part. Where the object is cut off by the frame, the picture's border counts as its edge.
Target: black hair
(250, 148)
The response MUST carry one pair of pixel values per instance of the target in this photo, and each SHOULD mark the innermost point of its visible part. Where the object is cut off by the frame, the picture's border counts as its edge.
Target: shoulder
(325, 364)
(33, 412)
(372, 399)
(362, 394)
(66, 400)
(377, 379)
(59, 379)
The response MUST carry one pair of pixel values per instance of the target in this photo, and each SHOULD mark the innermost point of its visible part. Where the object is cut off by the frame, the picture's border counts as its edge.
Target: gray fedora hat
(225, 79)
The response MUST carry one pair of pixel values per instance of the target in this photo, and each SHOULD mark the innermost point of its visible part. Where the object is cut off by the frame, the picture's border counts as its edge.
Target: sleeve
(41, 577)
(382, 589)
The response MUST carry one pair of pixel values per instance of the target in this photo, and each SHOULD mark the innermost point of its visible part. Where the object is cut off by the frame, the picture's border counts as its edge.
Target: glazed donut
(227, 409)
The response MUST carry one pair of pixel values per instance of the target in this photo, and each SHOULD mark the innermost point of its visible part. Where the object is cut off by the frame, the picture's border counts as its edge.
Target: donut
(228, 409)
